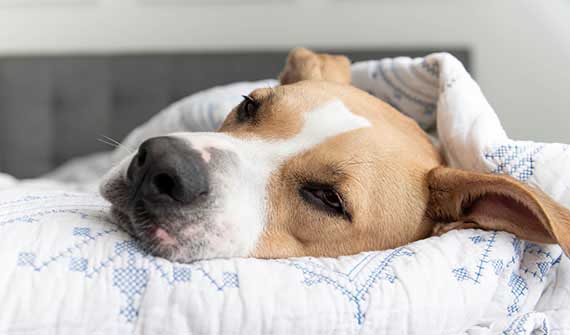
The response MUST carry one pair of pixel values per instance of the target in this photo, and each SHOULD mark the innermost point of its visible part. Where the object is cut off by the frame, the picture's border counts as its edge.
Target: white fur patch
(326, 121)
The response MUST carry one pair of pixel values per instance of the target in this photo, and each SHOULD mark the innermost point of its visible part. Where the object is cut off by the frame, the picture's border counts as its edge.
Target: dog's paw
(442, 228)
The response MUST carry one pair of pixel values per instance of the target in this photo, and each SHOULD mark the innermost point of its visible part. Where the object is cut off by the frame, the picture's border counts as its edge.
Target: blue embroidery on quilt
(515, 159)
(355, 283)
(400, 92)
(544, 328)
(536, 268)
(541, 268)
(477, 239)
(26, 258)
(30, 259)
(498, 266)
(57, 195)
(82, 231)
(130, 280)
(432, 69)
(519, 326)
(407, 85)
(78, 264)
(424, 76)
(475, 274)
(519, 289)
(22, 216)
(133, 271)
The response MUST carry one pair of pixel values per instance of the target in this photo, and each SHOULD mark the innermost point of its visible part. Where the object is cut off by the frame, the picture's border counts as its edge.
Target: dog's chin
(152, 237)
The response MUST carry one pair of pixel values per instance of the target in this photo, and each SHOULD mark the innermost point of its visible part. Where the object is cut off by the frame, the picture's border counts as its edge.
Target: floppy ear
(463, 199)
(303, 64)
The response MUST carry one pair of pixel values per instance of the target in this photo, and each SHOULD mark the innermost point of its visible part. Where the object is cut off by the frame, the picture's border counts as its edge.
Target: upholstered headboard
(54, 108)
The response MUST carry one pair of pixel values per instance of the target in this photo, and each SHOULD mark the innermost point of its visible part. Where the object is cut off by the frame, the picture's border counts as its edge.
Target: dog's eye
(325, 198)
(247, 109)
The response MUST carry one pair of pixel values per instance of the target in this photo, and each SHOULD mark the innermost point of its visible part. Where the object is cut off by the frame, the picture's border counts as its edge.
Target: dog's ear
(463, 199)
(303, 64)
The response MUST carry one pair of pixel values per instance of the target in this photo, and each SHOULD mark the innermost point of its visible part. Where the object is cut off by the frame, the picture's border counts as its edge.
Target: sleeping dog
(313, 167)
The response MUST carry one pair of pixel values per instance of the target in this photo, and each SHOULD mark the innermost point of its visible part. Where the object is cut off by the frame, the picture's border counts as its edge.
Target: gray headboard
(55, 107)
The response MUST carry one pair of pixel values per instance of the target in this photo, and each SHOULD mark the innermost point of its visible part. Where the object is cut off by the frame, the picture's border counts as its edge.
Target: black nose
(168, 169)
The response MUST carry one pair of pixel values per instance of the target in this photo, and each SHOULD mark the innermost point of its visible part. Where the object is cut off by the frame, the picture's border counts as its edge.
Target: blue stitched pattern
(477, 239)
(78, 264)
(544, 261)
(523, 324)
(519, 289)
(355, 283)
(402, 91)
(181, 274)
(432, 68)
(534, 264)
(26, 258)
(34, 215)
(463, 273)
(408, 85)
(515, 159)
(131, 268)
(517, 327)
(130, 280)
(132, 273)
(41, 198)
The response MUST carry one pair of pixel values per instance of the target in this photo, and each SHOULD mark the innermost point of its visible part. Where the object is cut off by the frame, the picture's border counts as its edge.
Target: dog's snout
(166, 168)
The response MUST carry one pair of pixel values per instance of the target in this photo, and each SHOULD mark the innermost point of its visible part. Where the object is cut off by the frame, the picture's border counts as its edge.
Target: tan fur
(389, 174)
(475, 200)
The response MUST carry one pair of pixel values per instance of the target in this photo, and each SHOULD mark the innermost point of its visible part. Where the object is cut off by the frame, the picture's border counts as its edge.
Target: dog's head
(311, 167)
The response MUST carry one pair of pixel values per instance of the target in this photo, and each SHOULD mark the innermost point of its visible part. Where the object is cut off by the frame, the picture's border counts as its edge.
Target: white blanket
(66, 269)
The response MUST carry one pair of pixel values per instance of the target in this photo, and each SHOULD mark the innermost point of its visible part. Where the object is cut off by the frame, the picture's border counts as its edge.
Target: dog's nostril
(141, 157)
(164, 183)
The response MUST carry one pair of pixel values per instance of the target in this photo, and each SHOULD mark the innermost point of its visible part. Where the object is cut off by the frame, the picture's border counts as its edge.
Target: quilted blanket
(66, 269)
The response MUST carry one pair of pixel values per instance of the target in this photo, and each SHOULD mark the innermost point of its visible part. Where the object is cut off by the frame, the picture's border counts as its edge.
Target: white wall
(521, 47)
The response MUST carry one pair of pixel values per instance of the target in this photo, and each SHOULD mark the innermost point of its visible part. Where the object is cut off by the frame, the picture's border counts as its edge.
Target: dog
(313, 167)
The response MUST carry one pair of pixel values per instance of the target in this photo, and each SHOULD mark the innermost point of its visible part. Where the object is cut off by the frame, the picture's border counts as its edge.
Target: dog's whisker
(116, 144)
(113, 145)
(111, 139)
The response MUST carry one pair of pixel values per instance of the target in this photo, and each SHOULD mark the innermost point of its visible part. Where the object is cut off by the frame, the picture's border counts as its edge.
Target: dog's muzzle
(190, 196)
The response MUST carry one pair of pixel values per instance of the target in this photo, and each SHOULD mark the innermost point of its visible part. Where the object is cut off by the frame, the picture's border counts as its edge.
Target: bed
(67, 269)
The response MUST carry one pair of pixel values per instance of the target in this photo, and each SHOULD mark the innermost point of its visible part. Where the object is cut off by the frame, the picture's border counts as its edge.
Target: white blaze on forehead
(242, 193)
(329, 120)
(324, 122)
